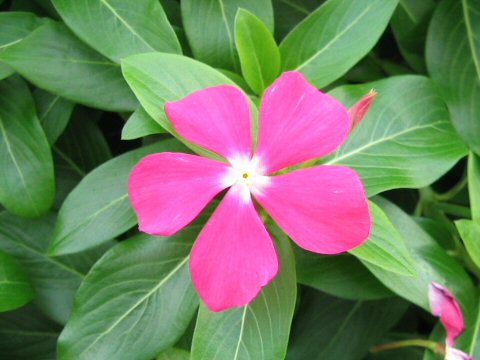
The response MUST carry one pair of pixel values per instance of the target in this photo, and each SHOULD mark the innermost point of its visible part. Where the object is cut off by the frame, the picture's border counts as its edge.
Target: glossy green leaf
(51, 57)
(259, 330)
(330, 328)
(156, 78)
(334, 37)
(99, 209)
(15, 287)
(399, 143)
(119, 28)
(470, 234)
(53, 112)
(140, 124)
(14, 27)
(474, 348)
(432, 264)
(26, 334)
(27, 185)
(258, 52)
(385, 247)
(474, 185)
(453, 61)
(342, 275)
(174, 354)
(141, 286)
(55, 280)
(409, 24)
(288, 13)
(209, 26)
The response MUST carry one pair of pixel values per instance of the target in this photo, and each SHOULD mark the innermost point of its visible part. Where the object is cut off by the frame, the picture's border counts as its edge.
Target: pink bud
(358, 111)
(455, 354)
(445, 306)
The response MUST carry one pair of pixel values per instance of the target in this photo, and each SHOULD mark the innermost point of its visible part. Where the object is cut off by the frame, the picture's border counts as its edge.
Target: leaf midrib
(470, 37)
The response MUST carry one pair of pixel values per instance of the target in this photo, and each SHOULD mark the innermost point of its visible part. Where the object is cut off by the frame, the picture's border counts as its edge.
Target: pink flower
(322, 208)
(444, 305)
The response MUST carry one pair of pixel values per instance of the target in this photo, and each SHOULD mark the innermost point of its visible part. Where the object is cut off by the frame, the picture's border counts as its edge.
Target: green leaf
(474, 185)
(51, 57)
(259, 330)
(334, 37)
(398, 144)
(409, 24)
(258, 52)
(27, 185)
(342, 275)
(432, 264)
(54, 113)
(26, 334)
(288, 13)
(99, 209)
(385, 247)
(209, 26)
(15, 287)
(470, 234)
(474, 348)
(140, 124)
(330, 328)
(141, 286)
(174, 354)
(156, 78)
(55, 281)
(453, 61)
(120, 28)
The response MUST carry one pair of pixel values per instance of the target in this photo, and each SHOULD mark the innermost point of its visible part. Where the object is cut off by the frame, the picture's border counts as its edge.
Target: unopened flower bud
(358, 111)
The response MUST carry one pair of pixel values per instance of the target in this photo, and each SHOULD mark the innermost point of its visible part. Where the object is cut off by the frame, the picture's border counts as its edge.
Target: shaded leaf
(470, 234)
(15, 287)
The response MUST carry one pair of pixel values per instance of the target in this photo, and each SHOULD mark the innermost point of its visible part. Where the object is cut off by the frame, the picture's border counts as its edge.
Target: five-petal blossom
(323, 208)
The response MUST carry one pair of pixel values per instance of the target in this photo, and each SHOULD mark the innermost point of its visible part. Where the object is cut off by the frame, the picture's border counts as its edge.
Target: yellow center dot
(245, 175)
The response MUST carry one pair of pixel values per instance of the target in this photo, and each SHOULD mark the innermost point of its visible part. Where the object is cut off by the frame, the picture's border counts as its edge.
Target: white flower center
(246, 172)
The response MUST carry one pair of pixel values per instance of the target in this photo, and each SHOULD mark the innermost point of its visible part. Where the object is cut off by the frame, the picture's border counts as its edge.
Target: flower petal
(298, 123)
(216, 118)
(234, 256)
(445, 306)
(323, 208)
(168, 190)
(455, 354)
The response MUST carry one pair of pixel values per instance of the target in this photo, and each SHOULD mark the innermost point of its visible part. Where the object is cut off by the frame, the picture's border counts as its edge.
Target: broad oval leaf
(405, 140)
(470, 233)
(15, 287)
(385, 247)
(27, 186)
(209, 26)
(327, 43)
(140, 124)
(174, 354)
(259, 330)
(141, 286)
(119, 28)
(453, 61)
(99, 209)
(51, 56)
(258, 52)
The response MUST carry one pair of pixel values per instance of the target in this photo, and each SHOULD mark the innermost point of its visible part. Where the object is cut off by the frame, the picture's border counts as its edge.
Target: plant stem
(428, 344)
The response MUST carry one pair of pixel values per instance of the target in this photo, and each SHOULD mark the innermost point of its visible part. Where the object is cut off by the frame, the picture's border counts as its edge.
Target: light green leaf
(99, 209)
(26, 334)
(209, 26)
(119, 28)
(405, 140)
(259, 330)
(470, 233)
(453, 61)
(140, 124)
(258, 52)
(385, 247)
(474, 185)
(54, 113)
(51, 56)
(141, 286)
(330, 328)
(174, 354)
(342, 275)
(334, 37)
(15, 287)
(156, 78)
(27, 185)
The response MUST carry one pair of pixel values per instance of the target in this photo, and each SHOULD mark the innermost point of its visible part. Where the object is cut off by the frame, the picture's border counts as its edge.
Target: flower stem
(428, 344)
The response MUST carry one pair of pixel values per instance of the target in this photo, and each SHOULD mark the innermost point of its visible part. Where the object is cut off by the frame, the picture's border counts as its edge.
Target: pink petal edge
(217, 118)
(168, 190)
(323, 208)
(234, 256)
(298, 122)
(444, 305)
